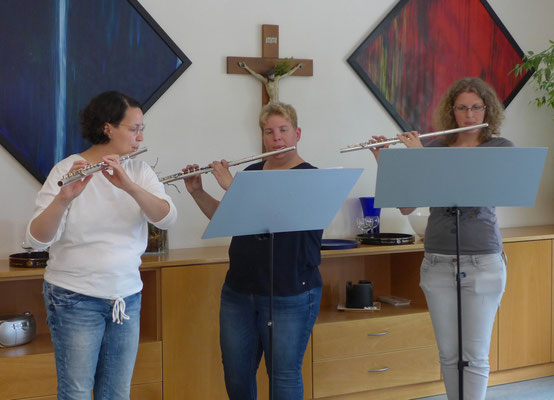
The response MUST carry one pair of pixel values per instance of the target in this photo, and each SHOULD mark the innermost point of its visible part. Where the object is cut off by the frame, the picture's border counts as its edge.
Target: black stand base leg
(270, 321)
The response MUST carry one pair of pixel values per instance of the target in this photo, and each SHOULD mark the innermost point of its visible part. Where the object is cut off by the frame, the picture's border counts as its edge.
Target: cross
(270, 55)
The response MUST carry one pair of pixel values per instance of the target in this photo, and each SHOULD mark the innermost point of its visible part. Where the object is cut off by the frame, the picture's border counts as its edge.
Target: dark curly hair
(108, 107)
(494, 113)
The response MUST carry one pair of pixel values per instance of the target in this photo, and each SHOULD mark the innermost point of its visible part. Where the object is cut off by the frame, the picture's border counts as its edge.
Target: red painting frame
(422, 46)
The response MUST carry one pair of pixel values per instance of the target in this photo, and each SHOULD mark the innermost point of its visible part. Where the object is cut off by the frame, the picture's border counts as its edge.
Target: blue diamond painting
(58, 54)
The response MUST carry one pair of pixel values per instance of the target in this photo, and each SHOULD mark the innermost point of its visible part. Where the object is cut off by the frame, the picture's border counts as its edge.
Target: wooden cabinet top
(218, 254)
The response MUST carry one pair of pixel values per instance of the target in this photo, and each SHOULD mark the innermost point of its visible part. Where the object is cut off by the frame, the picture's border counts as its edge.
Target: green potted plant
(157, 240)
(543, 64)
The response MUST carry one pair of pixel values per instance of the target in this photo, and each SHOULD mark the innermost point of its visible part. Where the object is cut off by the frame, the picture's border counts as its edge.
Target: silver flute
(81, 173)
(205, 170)
(371, 144)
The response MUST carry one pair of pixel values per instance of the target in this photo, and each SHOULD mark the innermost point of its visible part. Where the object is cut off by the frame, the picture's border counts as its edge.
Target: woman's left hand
(375, 150)
(118, 177)
(410, 139)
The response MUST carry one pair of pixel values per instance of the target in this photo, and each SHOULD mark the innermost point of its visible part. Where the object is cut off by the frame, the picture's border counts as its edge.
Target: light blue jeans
(92, 351)
(481, 290)
(244, 336)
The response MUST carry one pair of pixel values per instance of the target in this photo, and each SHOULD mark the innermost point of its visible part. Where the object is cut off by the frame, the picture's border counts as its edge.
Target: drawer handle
(378, 334)
(378, 370)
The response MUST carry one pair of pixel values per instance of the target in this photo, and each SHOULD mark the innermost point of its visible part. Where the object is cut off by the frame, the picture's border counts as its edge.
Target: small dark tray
(338, 244)
(386, 238)
(34, 259)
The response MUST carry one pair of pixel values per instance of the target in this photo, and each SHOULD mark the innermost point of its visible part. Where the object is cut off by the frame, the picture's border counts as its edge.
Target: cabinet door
(525, 312)
(192, 366)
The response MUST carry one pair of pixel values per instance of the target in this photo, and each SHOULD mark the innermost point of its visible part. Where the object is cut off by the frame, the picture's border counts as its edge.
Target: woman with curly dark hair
(96, 229)
(469, 101)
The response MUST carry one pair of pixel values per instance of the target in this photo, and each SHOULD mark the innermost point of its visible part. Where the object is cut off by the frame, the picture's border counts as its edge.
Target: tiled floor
(534, 389)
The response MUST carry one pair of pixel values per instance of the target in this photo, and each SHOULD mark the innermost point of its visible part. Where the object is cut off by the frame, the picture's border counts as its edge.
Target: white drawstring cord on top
(118, 311)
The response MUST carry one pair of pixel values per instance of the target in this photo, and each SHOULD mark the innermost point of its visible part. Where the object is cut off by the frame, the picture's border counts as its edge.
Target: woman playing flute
(244, 312)
(96, 229)
(469, 101)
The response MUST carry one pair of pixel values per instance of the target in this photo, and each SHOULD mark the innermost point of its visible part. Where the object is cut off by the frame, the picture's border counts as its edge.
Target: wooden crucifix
(262, 67)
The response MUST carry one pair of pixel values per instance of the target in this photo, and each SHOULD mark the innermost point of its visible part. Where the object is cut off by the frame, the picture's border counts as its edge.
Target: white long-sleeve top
(96, 250)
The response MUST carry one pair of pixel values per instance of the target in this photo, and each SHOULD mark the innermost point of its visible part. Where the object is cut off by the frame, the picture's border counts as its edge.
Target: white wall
(208, 114)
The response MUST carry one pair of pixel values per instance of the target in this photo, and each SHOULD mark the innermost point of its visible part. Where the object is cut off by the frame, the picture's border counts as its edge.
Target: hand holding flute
(118, 177)
(69, 192)
(194, 170)
(45, 225)
(82, 172)
(381, 141)
(89, 169)
(193, 183)
(410, 139)
(220, 169)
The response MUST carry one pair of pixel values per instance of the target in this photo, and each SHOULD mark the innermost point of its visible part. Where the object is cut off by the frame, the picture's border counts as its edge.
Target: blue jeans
(481, 290)
(91, 351)
(244, 337)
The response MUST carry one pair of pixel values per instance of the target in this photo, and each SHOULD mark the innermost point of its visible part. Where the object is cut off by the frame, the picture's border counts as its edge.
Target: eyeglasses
(475, 108)
(135, 129)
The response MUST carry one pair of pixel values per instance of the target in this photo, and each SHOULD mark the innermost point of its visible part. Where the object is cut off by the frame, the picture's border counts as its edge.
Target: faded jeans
(244, 336)
(481, 290)
(92, 351)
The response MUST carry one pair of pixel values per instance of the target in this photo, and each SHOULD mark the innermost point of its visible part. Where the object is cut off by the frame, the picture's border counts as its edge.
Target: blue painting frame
(60, 54)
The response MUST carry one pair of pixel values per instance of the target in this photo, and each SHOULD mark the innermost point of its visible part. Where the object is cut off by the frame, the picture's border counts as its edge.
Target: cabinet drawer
(28, 376)
(372, 336)
(17, 372)
(350, 375)
(149, 391)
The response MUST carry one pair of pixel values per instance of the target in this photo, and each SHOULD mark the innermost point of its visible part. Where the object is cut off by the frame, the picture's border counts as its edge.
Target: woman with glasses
(96, 229)
(469, 101)
(244, 308)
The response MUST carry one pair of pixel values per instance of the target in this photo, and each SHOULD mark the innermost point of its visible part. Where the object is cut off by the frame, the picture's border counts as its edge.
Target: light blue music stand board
(281, 201)
(459, 177)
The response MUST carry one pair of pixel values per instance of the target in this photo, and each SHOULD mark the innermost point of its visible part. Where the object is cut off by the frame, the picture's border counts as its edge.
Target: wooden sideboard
(179, 355)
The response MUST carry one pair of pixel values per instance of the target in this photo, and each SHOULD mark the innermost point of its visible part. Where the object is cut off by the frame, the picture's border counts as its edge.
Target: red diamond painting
(423, 46)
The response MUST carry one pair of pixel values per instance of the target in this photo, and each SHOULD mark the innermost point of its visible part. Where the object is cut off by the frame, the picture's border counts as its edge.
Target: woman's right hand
(69, 192)
(44, 227)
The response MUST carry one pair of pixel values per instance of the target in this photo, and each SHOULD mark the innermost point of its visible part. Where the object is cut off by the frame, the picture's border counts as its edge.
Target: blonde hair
(494, 112)
(284, 110)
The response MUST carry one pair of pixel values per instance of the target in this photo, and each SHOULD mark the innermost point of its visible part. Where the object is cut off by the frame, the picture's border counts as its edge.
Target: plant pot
(157, 240)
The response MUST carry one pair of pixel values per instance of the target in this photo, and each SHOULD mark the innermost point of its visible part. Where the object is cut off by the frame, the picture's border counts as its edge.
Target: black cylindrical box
(359, 295)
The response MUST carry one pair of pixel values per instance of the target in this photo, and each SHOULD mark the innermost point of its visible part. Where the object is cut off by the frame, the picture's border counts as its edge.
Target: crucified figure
(271, 80)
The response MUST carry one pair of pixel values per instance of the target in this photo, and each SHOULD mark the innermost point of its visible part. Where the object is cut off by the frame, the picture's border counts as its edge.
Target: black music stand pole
(270, 322)
(461, 363)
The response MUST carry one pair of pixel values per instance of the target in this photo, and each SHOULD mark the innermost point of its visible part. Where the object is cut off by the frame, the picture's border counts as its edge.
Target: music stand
(455, 178)
(273, 201)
